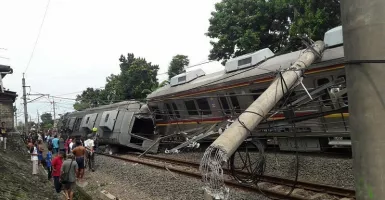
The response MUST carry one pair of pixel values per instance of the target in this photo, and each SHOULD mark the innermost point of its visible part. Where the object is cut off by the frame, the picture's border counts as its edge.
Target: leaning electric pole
(25, 106)
(364, 28)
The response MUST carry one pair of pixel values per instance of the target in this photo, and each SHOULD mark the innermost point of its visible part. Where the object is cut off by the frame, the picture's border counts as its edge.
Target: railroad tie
(277, 187)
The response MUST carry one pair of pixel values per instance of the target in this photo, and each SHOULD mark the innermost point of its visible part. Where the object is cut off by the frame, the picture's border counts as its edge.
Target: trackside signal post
(363, 24)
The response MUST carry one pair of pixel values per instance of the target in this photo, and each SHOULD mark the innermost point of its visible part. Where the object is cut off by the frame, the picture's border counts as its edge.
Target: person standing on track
(57, 163)
(40, 150)
(79, 153)
(62, 144)
(71, 145)
(70, 167)
(3, 135)
(89, 144)
(55, 144)
(48, 162)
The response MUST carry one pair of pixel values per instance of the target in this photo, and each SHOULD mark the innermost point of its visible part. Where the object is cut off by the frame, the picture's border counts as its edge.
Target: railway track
(271, 186)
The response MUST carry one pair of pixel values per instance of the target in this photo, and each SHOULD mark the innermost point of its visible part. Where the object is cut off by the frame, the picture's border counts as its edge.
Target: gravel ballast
(317, 169)
(130, 181)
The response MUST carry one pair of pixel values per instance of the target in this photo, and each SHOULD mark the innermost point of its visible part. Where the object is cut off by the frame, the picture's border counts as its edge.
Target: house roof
(8, 96)
(5, 69)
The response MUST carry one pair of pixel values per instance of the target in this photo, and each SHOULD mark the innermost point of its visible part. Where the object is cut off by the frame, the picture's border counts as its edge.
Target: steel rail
(332, 190)
(319, 188)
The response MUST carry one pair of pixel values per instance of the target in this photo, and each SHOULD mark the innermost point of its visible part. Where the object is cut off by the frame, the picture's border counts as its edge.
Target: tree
(177, 65)
(239, 27)
(136, 75)
(46, 118)
(89, 98)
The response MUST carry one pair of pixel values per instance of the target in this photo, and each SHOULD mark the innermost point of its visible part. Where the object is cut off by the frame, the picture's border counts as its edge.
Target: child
(48, 160)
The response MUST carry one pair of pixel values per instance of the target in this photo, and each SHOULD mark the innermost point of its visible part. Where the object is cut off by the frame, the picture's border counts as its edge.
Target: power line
(38, 36)
(76, 92)
(201, 63)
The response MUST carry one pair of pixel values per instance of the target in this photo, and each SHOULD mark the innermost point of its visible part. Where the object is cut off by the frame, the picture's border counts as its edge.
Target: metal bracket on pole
(310, 46)
(307, 92)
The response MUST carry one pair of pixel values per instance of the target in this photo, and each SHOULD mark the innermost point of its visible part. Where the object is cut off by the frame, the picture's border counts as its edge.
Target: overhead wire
(38, 36)
(201, 63)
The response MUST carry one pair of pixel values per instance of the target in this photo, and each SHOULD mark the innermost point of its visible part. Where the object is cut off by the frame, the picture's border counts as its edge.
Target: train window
(325, 97)
(156, 112)
(235, 102)
(182, 78)
(169, 111)
(244, 61)
(106, 119)
(191, 108)
(256, 93)
(204, 106)
(88, 119)
(225, 105)
(176, 111)
(77, 123)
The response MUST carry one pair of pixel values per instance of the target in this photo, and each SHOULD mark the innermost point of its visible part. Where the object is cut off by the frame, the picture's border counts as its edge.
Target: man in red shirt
(57, 162)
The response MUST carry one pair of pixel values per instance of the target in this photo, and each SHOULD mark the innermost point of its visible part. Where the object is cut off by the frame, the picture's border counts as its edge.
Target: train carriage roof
(123, 104)
(330, 57)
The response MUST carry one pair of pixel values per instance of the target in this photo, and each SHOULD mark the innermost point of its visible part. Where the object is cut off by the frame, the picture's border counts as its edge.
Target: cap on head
(94, 129)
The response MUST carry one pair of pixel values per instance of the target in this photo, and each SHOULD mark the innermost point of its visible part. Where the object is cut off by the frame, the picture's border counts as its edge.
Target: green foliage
(163, 83)
(89, 98)
(47, 126)
(46, 118)
(177, 65)
(239, 27)
(137, 77)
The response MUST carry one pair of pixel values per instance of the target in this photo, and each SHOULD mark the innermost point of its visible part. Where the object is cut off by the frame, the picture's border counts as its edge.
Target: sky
(81, 41)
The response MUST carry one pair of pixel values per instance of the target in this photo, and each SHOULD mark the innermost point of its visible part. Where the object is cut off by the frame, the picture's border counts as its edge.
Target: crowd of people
(65, 160)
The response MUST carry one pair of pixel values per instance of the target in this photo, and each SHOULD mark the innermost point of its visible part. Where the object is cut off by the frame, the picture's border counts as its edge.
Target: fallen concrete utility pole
(226, 144)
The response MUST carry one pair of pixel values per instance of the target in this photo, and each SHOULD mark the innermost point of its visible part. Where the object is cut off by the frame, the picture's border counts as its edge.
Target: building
(7, 98)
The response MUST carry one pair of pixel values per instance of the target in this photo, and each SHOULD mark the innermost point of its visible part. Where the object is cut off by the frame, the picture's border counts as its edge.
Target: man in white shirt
(89, 145)
(34, 160)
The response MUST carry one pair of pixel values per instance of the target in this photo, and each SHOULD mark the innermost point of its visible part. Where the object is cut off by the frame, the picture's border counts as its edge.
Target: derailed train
(194, 103)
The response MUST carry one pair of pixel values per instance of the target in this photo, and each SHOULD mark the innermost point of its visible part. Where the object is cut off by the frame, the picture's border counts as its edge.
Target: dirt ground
(16, 179)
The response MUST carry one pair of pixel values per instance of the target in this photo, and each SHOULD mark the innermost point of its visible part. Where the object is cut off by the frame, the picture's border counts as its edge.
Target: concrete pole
(38, 121)
(233, 137)
(363, 23)
(228, 142)
(25, 106)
